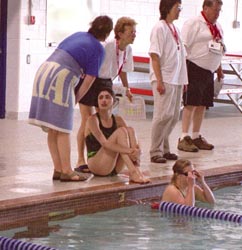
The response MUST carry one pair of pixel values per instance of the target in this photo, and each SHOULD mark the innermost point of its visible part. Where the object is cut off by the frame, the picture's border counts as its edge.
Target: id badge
(215, 47)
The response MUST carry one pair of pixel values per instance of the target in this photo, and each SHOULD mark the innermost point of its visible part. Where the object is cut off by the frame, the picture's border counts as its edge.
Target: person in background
(203, 39)
(117, 62)
(183, 188)
(111, 144)
(78, 56)
(168, 75)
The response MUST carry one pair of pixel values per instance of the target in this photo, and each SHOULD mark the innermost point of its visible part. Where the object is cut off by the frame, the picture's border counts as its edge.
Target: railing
(234, 94)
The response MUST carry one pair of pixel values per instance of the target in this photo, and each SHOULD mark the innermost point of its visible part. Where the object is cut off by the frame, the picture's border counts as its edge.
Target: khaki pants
(165, 116)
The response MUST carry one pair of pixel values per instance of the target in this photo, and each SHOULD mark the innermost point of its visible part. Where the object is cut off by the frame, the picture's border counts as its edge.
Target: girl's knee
(122, 134)
(122, 130)
(130, 130)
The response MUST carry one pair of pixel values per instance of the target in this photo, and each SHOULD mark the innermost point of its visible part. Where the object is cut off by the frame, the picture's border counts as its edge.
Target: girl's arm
(92, 126)
(190, 195)
(203, 192)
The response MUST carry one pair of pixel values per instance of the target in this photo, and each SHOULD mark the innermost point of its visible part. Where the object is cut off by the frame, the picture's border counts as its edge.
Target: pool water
(140, 227)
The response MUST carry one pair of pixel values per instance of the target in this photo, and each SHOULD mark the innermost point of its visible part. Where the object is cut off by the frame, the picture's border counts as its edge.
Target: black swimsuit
(92, 143)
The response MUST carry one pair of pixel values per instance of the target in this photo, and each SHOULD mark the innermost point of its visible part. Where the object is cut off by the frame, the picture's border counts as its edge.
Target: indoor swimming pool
(138, 227)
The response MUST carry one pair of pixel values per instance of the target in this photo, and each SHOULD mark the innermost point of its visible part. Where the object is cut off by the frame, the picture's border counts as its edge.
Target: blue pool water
(140, 227)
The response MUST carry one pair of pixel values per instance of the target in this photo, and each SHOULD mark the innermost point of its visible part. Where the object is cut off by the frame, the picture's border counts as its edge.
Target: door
(3, 49)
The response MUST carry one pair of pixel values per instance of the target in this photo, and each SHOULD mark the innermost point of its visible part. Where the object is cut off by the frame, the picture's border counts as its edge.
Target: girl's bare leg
(108, 159)
(134, 144)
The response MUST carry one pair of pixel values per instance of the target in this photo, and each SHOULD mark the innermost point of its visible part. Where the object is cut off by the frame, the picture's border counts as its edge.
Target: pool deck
(26, 167)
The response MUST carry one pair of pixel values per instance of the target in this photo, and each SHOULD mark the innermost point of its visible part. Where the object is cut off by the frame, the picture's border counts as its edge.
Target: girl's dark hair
(101, 27)
(166, 6)
(108, 89)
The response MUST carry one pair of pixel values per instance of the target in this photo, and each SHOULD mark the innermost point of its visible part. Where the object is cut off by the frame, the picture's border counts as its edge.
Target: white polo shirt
(196, 36)
(172, 60)
(114, 59)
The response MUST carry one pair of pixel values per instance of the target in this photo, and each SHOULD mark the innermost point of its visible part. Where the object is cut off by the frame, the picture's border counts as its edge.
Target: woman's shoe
(170, 156)
(82, 169)
(56, 175)
(158, 159)
(69, 177)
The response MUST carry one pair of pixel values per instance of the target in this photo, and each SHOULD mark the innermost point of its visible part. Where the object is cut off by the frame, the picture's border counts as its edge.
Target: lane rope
(13, 244)
(179, 209)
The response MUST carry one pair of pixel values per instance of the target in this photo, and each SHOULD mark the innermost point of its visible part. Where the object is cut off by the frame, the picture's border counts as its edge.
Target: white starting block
(235, 97)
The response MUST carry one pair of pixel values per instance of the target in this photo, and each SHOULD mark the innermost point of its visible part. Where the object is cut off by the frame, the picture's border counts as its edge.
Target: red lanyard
(174, 33)
(117, 57)
(213, 28)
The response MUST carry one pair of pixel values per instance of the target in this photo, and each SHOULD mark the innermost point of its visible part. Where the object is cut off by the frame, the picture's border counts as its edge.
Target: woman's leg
(134, 144)
(105, 160)
(53, 148)
(59, 147)
(64, 148)
(85, 111)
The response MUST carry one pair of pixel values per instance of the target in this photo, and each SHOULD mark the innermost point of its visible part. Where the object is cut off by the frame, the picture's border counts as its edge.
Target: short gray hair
(210, 3)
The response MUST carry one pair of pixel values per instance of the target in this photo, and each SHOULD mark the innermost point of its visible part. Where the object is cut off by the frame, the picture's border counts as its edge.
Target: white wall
(24, 39)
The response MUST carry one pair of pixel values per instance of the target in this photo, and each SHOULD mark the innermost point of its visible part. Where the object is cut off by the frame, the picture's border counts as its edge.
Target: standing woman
(168, 75)
(111, 144)
(79, 56)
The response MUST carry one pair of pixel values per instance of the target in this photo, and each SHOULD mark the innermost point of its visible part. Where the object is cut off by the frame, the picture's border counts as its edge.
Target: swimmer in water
(183, 188)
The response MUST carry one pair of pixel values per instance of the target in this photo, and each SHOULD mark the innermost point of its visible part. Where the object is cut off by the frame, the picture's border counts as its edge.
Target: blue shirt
(86, 50)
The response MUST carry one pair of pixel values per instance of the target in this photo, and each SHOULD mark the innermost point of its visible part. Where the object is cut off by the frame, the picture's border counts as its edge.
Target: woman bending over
(183, 188)
(111, 145)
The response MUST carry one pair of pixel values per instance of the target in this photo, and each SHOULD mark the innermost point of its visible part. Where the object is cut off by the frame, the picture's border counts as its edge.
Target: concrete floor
(26, 167)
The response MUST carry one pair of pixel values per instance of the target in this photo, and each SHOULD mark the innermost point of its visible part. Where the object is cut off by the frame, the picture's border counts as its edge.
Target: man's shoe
(187, 145)
(201, 143)
(157, 159)
(170, 156)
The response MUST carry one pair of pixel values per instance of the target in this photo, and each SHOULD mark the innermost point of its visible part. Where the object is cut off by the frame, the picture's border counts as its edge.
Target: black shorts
(90, 98)
(200, 88)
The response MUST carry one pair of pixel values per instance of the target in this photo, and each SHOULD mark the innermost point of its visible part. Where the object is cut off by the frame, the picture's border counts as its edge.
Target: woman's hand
(160, 88)
(191, 179)
(135, 154)
(199, 175)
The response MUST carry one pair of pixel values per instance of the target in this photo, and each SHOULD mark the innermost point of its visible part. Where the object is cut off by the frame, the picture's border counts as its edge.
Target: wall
(24, 40)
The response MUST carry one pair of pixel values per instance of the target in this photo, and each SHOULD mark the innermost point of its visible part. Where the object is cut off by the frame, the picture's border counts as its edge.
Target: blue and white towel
(53, 98)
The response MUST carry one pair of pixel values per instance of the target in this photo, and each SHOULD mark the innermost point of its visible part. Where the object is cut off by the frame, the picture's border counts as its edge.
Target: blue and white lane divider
(13, 244)
(185, 210)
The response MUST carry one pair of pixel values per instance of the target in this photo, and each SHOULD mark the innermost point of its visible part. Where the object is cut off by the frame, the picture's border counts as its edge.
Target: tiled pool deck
(27, 190)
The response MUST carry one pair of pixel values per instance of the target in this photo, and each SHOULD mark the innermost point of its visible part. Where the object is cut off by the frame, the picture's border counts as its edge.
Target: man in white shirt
(203, 40)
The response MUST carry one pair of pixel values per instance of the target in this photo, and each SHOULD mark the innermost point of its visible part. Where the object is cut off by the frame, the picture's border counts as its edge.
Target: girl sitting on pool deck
(183, 188)
(111, 145)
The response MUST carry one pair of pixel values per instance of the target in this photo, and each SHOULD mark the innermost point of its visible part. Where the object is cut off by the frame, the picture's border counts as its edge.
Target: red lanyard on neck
(174, 33)
(213, 28)
(117, 57)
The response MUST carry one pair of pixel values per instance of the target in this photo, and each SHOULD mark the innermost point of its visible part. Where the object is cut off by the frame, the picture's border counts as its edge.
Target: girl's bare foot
(137, 177)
